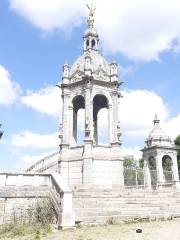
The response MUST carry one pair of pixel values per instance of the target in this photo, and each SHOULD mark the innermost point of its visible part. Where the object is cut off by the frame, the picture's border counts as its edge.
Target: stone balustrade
(33, 186)
(45, 163)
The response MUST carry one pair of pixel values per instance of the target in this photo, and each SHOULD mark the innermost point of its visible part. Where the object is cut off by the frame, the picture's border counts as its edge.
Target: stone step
(106, 219)
(100, 206)
(127, 192)
(123, 196)
(121, 205)
(124, 201)
(96, 209)
(110, 212)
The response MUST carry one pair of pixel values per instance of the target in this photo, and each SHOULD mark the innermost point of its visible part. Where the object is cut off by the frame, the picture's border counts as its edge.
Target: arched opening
(100, 134)
(153, 171)
(152, 163)
(78, 119)
(167, 168)
(93, 43)
(102, 124)
(87, 43)
(80, 126)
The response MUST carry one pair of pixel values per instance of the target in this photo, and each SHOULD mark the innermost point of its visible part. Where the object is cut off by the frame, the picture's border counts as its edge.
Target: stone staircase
(102, 206)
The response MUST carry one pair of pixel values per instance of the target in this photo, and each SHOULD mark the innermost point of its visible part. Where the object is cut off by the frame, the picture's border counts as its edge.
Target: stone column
(88, 141)
(175, 166)
(74, 127)
(71, 125)
(110, 120)
(96, 130)
(114, 120)
(147, 174)
(160, 175)
(67, 219)
(65, 120)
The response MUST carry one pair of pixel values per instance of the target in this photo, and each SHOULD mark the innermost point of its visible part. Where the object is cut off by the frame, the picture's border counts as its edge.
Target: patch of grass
(80, 238)
(18, 231)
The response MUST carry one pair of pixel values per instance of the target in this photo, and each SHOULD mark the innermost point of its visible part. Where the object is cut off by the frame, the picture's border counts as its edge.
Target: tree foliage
(167, 163)
(129, 162)
(141, 163)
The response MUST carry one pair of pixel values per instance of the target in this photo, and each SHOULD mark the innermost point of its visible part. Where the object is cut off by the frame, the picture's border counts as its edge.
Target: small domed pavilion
(160, 158)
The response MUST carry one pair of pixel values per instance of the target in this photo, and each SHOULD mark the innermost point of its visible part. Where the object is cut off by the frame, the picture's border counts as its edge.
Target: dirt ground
(157, 230)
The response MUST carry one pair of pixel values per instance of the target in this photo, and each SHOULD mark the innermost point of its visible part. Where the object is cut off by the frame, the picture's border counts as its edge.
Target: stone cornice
(159, 148)
(90, 80)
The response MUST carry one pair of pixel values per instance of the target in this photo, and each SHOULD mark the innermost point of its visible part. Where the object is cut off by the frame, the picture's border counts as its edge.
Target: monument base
(102, 166)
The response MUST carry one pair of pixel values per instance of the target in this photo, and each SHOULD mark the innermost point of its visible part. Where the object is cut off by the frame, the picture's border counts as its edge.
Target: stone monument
(90, 84)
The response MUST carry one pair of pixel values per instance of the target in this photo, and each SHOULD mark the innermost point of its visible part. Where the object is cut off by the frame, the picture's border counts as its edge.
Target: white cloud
(34, 140)
(46, 100)
(172, 127)
(137, 109)
(139, 29)
(134, 151)
(9, 90)
(49, 15)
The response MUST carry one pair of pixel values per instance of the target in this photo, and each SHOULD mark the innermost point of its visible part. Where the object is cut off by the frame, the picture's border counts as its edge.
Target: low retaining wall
(20, 192)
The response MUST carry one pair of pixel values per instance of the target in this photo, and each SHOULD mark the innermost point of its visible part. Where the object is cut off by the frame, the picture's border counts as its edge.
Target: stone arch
(152, 163)
(93, 44)
(87, 43)
(153, 170)
(105, 94)
(100, 101)
(78, 102)
(167, 164)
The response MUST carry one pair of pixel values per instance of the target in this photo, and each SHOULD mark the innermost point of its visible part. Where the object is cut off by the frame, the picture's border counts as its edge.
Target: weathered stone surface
(90, 84)
(20, 193)
(100, 206)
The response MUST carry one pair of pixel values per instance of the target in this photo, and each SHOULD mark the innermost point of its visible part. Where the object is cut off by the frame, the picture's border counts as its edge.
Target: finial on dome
(90, 20)
(156, 120)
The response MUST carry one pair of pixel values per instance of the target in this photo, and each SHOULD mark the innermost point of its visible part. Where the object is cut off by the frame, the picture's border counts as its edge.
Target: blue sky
(37, 37)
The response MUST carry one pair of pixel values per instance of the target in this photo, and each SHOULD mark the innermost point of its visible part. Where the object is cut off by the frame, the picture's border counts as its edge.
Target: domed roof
(97, 61)
(157, 136)
(157, 133)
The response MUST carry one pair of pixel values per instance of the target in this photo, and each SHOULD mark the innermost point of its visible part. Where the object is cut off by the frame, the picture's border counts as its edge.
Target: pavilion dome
(157, 136)
(97, 62)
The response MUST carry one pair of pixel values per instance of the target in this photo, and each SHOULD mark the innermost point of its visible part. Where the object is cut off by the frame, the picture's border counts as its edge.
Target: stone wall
(19, 194)
(17, 210)
(102, 165)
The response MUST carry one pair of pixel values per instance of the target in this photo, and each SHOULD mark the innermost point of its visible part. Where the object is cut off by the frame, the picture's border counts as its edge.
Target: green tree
(141, 163)
(177, 143)
(129, 162)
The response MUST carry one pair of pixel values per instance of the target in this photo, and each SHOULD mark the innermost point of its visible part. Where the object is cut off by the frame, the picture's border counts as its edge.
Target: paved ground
(165, 230)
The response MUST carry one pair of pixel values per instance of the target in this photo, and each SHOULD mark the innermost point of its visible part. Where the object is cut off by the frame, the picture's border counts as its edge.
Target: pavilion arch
(93, 43)
(153, 170)
(105, 94)
(152, 163)
(87, 43)
(78, 103)
(167, 164)
(100, 101)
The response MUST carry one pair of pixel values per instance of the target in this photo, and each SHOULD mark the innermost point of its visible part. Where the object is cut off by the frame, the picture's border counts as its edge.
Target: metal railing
(134, 177)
